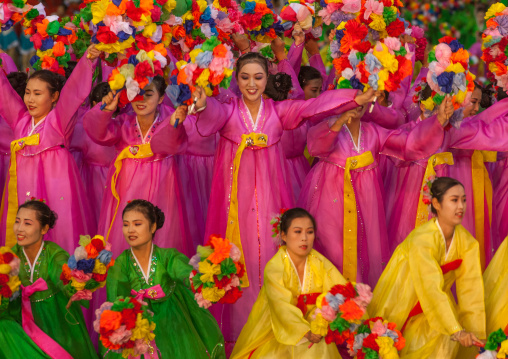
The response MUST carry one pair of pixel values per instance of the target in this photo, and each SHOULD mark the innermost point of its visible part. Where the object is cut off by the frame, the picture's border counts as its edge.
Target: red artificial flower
(364, 73)
(357, 30)
(8, 257)
(347, 290)
(129, 318)
(370, 342)
(4, 278)
(221, 283)
(225, 3)
(98, 244)
(156, 13)
(133, 12)
(363, 46)
(137, 305)
(108, 345)
(142, 71)
(396, 28)
(99, 277)
(250, 21)
(446, 39)
(129, 344)
(231, 296)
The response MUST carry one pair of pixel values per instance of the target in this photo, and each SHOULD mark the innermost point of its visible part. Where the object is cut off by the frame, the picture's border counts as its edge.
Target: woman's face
(453, 206)
(312, 88)
(27, 228)
(474, 105)
(148, 105)
(252, 81)
(38, 99)
(299, 237)
(137, 229)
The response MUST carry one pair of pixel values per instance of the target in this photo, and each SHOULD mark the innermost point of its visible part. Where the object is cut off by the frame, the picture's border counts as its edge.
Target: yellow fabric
(276, 327)
(414, 274)
(496, 292)
(482, 188)
(422, 214)
(136, 151)
(307, 155)
(350, 256)
(12, 187)
(233, 227)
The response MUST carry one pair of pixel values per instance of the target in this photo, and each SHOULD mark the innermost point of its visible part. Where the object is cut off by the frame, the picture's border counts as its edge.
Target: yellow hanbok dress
(276, 326)
(415, 276)
(496, 290)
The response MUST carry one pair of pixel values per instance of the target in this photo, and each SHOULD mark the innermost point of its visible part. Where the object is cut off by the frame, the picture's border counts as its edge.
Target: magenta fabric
(323, 191)
(48, 170)
(154, 179)
(500, 201)
(8, 64)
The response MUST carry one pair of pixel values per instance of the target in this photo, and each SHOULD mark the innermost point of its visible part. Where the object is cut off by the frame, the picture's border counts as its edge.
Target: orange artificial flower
(66, 272)
(401, 343)
(350, 311)
(347, 43)
(262, 9)
(220, 51)
(161, 49)
(491, 23)
(108, 345)
(222, 247)
(91, 250)
(111, 263)
(181, 78)
(42, 26)
(110, 320)
(114, 10)
(58, 49)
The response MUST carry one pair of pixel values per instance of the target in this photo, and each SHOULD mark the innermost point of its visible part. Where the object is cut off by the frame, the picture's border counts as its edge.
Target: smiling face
(27, 228)
(252, 81)
(151, 99)
(38, 98)
(452, 207)
(137, 229)
(299, 238)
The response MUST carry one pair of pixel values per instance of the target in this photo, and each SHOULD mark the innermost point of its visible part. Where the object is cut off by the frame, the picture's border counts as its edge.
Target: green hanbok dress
(183, 329)
(66, 327)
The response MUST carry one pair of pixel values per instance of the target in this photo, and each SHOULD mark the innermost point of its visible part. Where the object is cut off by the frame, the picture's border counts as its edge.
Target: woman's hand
(242, 42)
(180, 114)
(312, 47)
(366, 97)
(313, 338)
(466, 339)
(111, 101)
(445, 111)
(298, 34)
(92, 53)
(278, 49)
(199, 95)
(345, 117)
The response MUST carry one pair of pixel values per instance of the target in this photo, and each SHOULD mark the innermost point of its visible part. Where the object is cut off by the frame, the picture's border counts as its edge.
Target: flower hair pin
(275, 222)
(36, 199)
(426, 190)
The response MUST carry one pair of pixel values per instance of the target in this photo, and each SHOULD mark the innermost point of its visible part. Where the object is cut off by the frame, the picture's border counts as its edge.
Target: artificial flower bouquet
(12, 12)
(87, 269)
(217, 272)
(302, 13)
(9, 280)
(496, 346)
(259, 20)
(126, 327)
(495, 39)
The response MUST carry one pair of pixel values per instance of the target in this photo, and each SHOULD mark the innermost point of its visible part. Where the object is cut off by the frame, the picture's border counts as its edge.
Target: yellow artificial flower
(494, 9)
(118, 47)
(180, 64)
(208, 270)
(194, 53)
(202, 81)
(429, 104)
(78, 285)
(5, 269)
(5, 249)
(143, 329)
(84, 240)
(378, 23)
(100, 268)
(386, 348)
(388, 60)
(101, 284)
(341, 26)
(14, 283)
(99, 10)
(169, 5)
(188, 16)
(127, 70)
(383, 76)
(42, 54)
(117, 82)
(128, 352)
(503, 352)
(208, 91)
(202, 5)
(319, 300)
(493, 67)
(149, 29)
(319, 325)
(456, 67)
(213, 294)
(216, 5)
(460, 97)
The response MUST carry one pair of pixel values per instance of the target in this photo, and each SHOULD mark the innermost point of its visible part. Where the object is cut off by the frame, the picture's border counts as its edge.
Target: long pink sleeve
(169, 140)
(295, 56)
(329, 103)
(422, 141)
(321, 140)
(297, 93)
(12, 107)
(100, 126)
(8, 64)
(387, 117)
(74, 93)
(316, 61)
(213, 117)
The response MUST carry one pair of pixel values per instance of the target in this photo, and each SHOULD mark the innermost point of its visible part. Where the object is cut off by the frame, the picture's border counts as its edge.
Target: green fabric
(183, 329)
(67, 328)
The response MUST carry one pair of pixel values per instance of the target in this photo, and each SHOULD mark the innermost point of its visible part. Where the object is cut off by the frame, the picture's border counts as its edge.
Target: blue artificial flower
(459, 82)
(122, 36)
(117, 2)
(173, 80)
(173, 91)
(71, 262)
(47, 44)
(33, 60)
(445, 82)
(323, 3)
(105, 256)
(372, 63)
(133, 60)
(188, 25)
(207, 15)
(249, 7)
(373, 81)
(86, 265)
(455, 45)
(356, 84)
(353, 59)
(64, 32)
(185, 93)
(204, 59)
(339, 35)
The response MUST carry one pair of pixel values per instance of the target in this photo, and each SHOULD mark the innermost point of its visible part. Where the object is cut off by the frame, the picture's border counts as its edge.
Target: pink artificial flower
(14, 266)
(234, 253)
(392, 43)
(443, 53)
(85, 294)
(352, 6)
(378, 328)
(235, 282)
(120, 336)
(80, 253)
(328, 313)
(141, 346)
(373, 6)
(364, 295)
(98, 312)
(80, 276)
(417, 32)
(108, 246)
(202, 302)
(325, 15)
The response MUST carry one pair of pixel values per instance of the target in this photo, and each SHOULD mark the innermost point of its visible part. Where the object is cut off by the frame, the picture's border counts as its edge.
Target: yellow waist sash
(233, 227)
(481, 187)
(422, 214)
(137, 151)
(350, 244)
(12, 186)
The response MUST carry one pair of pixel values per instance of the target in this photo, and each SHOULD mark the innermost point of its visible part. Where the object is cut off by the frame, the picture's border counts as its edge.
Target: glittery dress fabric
(48, 170)
(414, 275)
(154, 179)
(323, 192)
(276, 326)
(183, 329)
(263, 184)
(66, 327)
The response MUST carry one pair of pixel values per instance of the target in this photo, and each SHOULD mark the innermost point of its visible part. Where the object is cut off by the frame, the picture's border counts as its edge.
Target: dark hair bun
(159, 217)
(18, 82)
(283, 82)
(45, 215)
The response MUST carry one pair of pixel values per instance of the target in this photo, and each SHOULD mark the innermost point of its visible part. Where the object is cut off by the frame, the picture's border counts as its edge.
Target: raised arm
(215, 114)
(12, 107)
(101, 127)
(169, 140)
(7, 63)
(295, 56)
